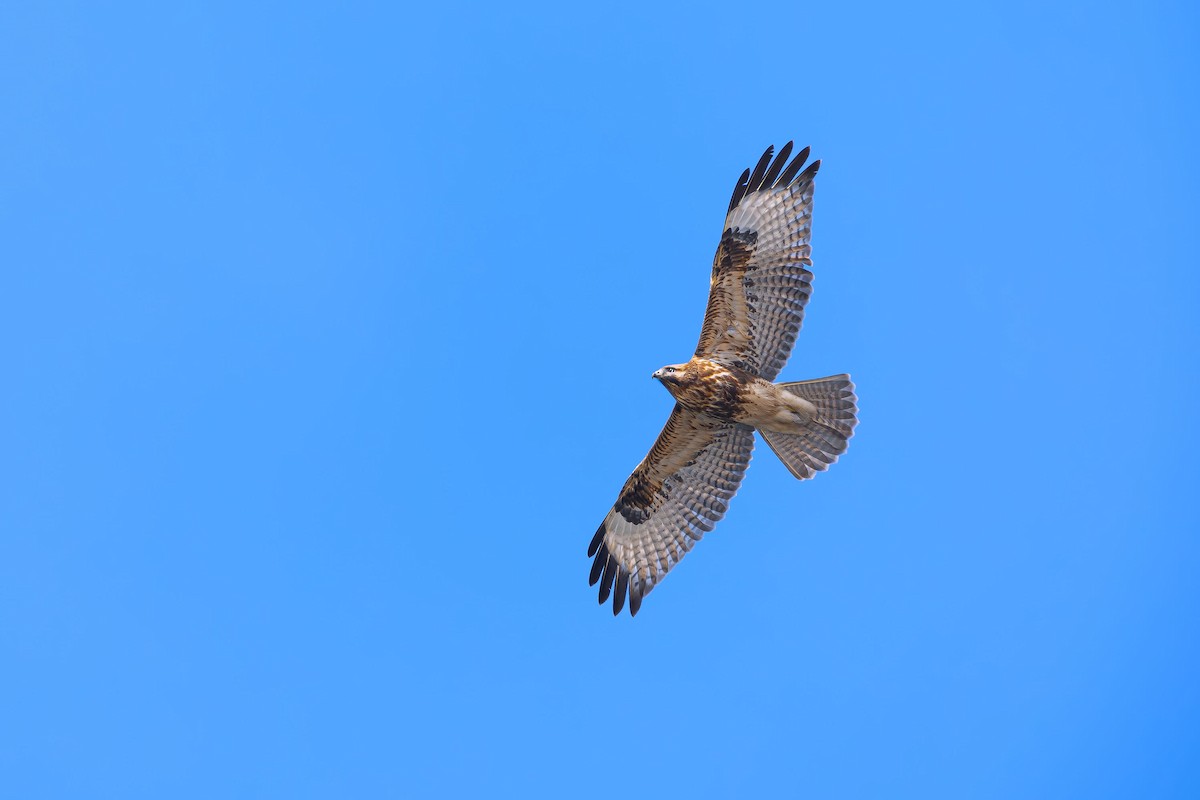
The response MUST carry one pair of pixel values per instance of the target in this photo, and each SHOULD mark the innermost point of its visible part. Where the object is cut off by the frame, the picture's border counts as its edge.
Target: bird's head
(672, 375)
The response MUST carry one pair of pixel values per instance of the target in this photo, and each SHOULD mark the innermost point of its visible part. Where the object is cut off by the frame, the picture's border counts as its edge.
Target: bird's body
(760, 285)
(734, 395)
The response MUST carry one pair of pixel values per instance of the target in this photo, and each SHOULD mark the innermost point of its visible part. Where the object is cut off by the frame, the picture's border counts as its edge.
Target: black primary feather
(611, 568)
(619, 596)
(760, 169)
(771, 174)
(792, 168)
(635, 599)
(597, 540)
(739, 191)
(776, 166)
(809, 171)
(597, 565)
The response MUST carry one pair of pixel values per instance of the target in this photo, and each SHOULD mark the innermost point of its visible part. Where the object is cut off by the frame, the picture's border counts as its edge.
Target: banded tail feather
(805, 454)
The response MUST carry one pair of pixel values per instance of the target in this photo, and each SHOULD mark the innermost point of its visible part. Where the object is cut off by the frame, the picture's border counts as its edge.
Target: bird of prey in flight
(760, 284)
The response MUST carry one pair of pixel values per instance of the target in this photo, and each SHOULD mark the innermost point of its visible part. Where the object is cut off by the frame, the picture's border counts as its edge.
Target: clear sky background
(326, 333)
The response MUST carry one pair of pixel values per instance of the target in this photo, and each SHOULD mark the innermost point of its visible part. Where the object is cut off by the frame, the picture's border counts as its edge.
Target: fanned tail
(805, 454)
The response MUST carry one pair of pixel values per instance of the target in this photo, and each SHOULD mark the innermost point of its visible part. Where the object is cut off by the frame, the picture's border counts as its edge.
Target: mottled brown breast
(710, 388)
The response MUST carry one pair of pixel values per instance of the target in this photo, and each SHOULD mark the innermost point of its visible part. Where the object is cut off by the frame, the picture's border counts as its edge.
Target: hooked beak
(658, 373)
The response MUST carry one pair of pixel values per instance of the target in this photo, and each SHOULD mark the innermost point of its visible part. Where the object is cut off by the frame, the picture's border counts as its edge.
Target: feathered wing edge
(676, 495)
(760, 280)
(772, 175)
(605, 568)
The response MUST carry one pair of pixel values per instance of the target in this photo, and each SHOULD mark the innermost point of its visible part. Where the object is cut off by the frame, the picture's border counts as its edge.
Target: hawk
(760, 284)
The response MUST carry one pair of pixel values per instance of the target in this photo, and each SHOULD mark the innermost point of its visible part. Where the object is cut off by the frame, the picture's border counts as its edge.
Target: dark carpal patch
(637, 500)
(735, 250)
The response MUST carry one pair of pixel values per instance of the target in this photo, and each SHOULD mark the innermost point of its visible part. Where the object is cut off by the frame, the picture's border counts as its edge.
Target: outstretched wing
(676, 495)
(760, 280)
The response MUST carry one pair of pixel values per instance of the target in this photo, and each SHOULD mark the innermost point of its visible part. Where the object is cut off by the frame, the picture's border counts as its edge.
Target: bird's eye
(670, 369)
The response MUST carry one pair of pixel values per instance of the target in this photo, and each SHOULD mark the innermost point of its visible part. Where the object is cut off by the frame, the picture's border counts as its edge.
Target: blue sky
(327, 334)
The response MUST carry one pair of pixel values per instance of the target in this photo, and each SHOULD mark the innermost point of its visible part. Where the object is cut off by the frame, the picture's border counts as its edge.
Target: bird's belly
(724, 393)
(768, 406)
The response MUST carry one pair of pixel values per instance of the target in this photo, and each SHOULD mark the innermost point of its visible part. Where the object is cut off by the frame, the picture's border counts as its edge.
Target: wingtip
(789, 174)
(597, 567)
(739, 189)
(597, 540)
(611, 568)
(620, 591)
(760, 170)
(635, 600)
(768, 180)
